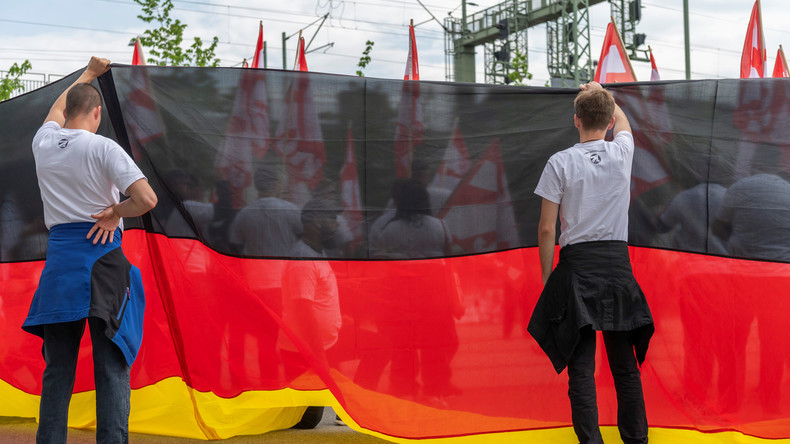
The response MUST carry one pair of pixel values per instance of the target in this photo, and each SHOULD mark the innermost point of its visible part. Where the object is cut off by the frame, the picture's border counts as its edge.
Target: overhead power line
(439, 34)
(51, 25)
(712, 17)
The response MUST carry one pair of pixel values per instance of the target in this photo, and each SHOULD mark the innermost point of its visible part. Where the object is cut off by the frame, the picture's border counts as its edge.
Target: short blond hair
(594, 108)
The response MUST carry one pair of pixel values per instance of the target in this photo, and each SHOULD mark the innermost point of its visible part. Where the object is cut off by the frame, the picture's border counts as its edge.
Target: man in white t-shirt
(592, 288)
(86, 274)
(311, 305)
(310, 298)
(270, 226)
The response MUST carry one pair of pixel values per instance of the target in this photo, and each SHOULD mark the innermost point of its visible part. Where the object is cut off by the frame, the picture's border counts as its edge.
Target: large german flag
(252, 314)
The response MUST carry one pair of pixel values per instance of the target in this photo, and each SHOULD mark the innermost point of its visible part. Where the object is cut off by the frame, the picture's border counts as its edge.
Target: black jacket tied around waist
(592, 285)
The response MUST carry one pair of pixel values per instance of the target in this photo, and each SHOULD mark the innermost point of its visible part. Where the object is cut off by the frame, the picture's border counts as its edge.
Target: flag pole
(762, 35)
(411, 131)
(289, 97)
(298, 48)
(764, 52)
(652, 61)
(260, 33)
(622, 44)
(443, 173)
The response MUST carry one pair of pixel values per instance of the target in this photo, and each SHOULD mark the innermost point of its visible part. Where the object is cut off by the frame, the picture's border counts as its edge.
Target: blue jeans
(111, 375)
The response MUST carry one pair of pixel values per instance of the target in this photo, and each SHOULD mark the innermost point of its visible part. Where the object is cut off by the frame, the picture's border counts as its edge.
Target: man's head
(268, 179)
(594, 110)
(411, 199)
(421, 171)
(83, 103)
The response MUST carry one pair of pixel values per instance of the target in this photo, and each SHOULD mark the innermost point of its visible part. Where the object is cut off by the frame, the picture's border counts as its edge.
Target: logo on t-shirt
(595, 158)
(63, 143)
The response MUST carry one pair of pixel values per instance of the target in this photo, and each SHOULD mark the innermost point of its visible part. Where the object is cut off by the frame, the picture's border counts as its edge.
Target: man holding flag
(86, 274)
(593, 288)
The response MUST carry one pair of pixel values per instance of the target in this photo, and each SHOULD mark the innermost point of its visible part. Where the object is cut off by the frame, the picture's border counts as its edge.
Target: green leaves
(365, 59)
(164, 44)
(519, 69)
(11, 82)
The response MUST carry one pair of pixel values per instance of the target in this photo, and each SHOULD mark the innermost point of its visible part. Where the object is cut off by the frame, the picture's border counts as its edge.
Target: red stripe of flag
(409, 131)
(753, 57)
(613, 64)
(257, 58)
(137, 57)
(654, 76)
(301, 61)
(780, 67)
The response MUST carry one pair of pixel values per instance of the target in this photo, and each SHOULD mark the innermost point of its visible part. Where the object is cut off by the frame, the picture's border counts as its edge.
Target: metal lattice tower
(568, 41)
(512, 26)
(502, 30)
(626, 14)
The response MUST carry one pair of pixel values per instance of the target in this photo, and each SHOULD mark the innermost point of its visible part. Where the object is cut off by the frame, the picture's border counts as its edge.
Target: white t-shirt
(591, 183)
(402, 239)
(267, 227)
(79, 173)
(313, 281)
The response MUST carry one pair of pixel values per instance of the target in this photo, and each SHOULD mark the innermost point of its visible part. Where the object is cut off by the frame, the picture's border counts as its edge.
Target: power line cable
(737, 22)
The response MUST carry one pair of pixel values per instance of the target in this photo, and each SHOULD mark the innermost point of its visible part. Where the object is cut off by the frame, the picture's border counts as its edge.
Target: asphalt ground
(23, 431)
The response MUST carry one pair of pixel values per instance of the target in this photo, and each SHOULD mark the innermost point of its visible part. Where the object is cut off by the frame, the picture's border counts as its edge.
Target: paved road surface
(23, 431)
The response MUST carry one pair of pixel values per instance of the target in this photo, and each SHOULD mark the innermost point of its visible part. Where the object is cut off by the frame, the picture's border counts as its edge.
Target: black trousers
(631, 415)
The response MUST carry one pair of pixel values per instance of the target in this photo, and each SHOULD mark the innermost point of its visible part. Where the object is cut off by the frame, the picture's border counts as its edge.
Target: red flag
(300, 142)
(653, 69)
(248, 131)
(248, 135)
(780, 68)
(412, 64)
(257, 58)
(614, 64)
(759, 116)
(301, 61)
(753, 57)
(479, 213)
(143, 118)
(349, 190)
(455, 163)
(138, 58)
(408, 133)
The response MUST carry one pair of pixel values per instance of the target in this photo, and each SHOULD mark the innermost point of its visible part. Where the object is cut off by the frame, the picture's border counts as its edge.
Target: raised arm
(620, 119)
(96, 67)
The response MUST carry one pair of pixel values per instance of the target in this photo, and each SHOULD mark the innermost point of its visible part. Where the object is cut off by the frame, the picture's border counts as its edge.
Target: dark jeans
(631, 416)
(111, 374)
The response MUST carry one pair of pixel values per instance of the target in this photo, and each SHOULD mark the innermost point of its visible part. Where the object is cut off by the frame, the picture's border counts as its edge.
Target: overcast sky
(59, 37)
